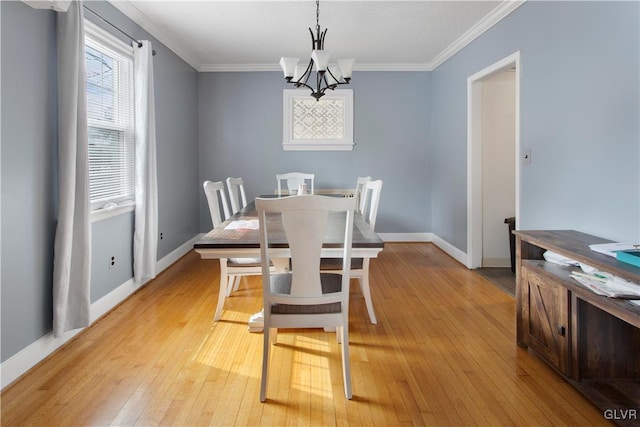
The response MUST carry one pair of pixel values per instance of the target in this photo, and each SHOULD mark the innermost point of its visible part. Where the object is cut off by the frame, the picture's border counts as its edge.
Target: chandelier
(325, 75)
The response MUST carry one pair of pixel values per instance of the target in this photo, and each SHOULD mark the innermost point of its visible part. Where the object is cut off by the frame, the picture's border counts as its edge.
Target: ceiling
(388, 35)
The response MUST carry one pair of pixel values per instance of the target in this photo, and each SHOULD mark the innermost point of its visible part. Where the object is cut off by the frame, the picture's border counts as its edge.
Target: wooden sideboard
(593, 341)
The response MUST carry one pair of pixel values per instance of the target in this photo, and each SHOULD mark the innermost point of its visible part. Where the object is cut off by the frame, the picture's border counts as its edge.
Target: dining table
(238, 237)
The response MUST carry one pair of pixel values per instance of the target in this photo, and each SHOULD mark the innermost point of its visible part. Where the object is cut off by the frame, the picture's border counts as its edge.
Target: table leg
(256, 321)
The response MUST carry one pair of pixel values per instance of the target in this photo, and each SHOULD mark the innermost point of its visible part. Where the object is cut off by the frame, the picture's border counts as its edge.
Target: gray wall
(241, 135)
(29, 150)
(29, 144)
(580, 112)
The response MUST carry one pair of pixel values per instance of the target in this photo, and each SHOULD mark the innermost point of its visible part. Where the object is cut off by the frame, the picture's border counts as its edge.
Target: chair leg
(236, 286)
(346, 365)
(232, 284)
(222, 292)
(266, 348)
(364, 286)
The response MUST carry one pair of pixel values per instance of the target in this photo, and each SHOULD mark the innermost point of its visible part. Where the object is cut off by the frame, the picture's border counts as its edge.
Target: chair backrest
(215, 195)
(304, 220)
(294, 179)
(357, 194)
(237, 196)
(370, 201)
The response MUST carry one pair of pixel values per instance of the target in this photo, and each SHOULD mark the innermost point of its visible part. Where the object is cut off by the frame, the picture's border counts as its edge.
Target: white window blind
(110, 118)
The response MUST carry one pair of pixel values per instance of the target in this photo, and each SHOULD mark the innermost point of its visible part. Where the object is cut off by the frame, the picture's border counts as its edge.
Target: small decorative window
(324, 125)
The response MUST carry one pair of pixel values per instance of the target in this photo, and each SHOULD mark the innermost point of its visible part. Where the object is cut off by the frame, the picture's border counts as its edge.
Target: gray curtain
(72, 250)
(145, 239)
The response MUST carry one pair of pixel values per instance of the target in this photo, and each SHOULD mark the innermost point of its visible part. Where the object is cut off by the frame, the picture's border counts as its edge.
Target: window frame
(289, 143)
(97, 35)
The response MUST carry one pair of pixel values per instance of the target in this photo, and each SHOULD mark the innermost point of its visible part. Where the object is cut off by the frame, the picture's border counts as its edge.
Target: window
(109, 67)
(310, 125)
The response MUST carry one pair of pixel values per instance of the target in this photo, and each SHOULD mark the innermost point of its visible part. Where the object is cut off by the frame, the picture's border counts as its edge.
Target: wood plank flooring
(503, 278)
(443, 353)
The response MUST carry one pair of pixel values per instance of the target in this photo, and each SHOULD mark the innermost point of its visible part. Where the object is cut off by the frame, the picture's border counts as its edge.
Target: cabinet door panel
(546, 321)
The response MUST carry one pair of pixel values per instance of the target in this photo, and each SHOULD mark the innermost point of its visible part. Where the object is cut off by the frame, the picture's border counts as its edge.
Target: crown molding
(162, 35)
(495, 16)
(391, 67)
(221, 68)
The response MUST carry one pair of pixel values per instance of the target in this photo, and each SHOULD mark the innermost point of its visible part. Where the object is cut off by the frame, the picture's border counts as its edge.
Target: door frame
(474, 152)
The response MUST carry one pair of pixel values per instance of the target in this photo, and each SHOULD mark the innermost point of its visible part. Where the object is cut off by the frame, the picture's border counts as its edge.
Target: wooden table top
(223, 238)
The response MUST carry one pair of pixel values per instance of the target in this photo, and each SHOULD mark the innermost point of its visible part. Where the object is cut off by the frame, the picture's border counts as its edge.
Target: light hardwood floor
(443, 353)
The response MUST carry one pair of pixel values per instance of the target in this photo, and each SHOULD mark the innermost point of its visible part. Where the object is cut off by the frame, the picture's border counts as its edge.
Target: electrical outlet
(161, 236)
(112, 262)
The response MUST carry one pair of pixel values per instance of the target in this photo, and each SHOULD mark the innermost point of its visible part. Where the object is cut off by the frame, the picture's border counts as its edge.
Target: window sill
(342, 146)
(102, 214)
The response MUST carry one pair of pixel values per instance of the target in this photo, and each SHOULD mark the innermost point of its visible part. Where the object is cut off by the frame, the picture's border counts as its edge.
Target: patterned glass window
(310, 125)
(322, 119)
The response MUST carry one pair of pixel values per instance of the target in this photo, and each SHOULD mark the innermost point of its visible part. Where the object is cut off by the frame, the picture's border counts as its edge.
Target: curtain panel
(72, 249)
(145, 239)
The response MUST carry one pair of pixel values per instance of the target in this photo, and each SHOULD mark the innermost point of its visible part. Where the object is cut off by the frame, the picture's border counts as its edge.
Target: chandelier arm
(335, 85)
(306, 75)
(319, 78)
(313, 39)
(326, 83)
(299, 85)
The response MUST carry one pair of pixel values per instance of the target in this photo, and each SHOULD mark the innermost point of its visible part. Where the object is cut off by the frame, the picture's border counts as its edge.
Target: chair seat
(244, 262)
(336, 263)
(281, 284)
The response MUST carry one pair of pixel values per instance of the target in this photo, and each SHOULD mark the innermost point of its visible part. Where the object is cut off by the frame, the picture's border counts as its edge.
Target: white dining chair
(237, 196)
(360, 183)
(360, 266)
(231, 269)
(293, 179)
(370, 201)
(305, 297)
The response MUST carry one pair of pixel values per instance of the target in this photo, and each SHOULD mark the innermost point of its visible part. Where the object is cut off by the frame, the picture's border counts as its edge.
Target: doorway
(485, 192)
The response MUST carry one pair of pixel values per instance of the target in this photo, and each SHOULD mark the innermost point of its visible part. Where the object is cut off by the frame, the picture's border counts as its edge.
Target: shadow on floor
(503, 278)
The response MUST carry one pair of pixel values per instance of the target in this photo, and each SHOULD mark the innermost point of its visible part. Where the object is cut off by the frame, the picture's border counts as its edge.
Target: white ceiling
(383, 35)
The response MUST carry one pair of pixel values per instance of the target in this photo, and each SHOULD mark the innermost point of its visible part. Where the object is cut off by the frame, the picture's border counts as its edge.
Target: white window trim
(111, 211)
(101, 36)
(291, 144)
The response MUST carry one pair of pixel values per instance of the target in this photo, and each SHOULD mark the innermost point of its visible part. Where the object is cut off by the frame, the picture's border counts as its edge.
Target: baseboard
(450, 250)
(496, 262)
(103, 305)
(447, 247)
(177, 253)
(406, 237)
(18, 364)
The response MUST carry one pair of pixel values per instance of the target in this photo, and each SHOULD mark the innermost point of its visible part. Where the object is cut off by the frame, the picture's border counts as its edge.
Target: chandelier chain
(317, 14)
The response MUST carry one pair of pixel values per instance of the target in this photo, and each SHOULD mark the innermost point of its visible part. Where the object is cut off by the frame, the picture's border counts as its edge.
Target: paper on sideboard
(611, 248)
